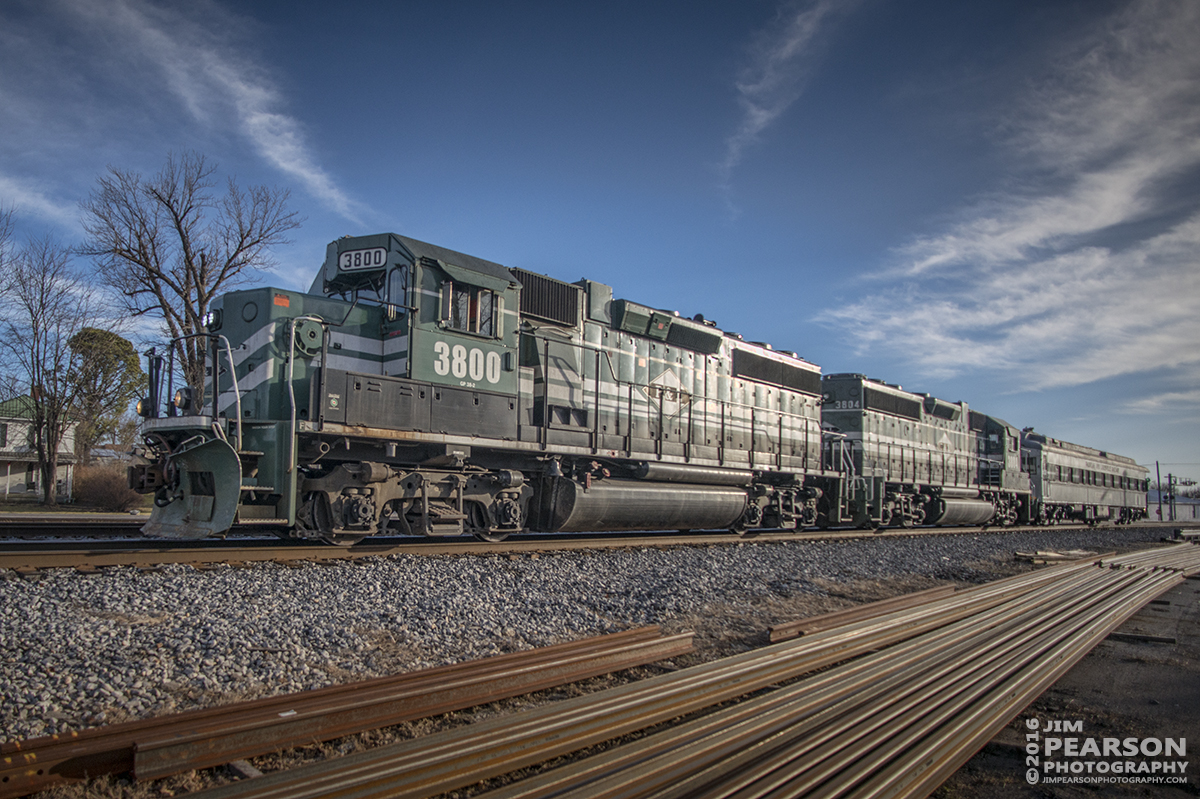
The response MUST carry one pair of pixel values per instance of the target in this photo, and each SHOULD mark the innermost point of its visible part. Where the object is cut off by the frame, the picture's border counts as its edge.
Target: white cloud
(1173, 401)
(136, 52)
(28, 200)
(780, 60)
(1098, 273)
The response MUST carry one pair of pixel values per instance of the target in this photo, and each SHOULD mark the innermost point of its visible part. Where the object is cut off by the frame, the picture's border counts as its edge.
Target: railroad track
(29, 555)
(97, 525)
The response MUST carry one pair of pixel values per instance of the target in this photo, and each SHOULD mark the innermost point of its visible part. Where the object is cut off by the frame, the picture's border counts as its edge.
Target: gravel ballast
(81, 650)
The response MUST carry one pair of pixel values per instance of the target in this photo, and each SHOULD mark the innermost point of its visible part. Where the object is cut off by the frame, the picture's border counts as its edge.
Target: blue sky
(997, 202)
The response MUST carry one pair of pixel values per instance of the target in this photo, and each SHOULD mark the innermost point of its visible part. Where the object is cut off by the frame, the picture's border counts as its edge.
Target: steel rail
(677, 761)
(18, 537)
(928, 763)
(239, 734)
(461, 757)
(883, 733)
(812, 624)
(170, 744)
(31, 555)
(1164, 557)
(699, 761)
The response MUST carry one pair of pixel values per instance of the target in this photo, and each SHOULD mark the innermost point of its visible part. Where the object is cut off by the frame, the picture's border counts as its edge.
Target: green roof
(17, 408)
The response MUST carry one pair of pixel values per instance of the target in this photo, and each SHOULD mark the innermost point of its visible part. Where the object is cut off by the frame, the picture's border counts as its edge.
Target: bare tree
(43, 304)
(169, 246)
(6, 233)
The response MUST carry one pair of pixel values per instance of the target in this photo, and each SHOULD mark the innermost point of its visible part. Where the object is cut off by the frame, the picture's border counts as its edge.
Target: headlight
(212, 321)
(145, 408)
(183, 399)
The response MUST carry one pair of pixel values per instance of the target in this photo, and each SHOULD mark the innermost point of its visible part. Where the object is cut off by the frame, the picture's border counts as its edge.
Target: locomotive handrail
(291, 356)
(237, 394)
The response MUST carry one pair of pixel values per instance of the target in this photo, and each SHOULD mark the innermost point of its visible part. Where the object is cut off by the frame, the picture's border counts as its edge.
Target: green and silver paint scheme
(998, 445)
(253, 427)
(1071, 482)
(598, 383)
(607, 387)
(370, 364)
(894, 449)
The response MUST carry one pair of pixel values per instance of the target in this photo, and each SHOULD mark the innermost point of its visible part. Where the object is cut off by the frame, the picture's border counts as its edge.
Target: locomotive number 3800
(461, 362)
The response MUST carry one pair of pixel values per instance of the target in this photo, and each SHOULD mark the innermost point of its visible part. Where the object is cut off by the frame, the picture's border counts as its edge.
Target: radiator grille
(549, 299)
(766, 370)
(890, 403)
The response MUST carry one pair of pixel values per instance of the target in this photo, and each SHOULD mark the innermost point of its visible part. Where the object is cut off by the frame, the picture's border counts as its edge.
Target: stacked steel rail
(167, 745)
(911, 695)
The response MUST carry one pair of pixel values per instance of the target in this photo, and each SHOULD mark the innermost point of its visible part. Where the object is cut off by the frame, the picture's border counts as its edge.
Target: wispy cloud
(197, 55)
(30, 200)
(778, 65)
(219, 81)
(1176, 401)
(1093, 269)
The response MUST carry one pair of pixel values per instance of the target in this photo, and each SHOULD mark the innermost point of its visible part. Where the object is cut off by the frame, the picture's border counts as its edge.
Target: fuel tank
(565, 506)
(950, 511)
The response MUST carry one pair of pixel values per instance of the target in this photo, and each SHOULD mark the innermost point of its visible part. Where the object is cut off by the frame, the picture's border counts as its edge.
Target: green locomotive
(421, 390)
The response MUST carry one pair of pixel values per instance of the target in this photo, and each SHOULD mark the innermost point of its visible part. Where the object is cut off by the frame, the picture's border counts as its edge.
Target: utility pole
(1158, 478)
(1171, 495)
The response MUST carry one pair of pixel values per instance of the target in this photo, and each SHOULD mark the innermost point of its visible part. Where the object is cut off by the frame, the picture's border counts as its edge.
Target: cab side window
(469, 308)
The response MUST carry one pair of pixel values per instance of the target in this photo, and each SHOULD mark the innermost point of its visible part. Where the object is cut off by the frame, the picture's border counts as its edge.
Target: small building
(18, 458)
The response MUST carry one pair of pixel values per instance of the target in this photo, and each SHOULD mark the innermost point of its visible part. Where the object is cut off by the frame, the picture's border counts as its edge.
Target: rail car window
(469, 308)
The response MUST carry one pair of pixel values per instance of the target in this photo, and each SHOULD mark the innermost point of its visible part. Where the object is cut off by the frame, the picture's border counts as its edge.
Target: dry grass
(105, 488)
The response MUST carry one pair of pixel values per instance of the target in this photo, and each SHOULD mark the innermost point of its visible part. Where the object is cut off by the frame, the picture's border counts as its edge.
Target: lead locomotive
(418, 390)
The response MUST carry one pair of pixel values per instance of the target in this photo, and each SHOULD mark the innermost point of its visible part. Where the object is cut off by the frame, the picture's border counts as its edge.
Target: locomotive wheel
(343, 539)
(479, 524)
(491, 538)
